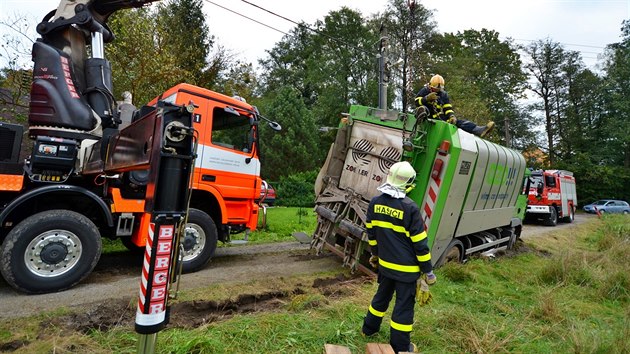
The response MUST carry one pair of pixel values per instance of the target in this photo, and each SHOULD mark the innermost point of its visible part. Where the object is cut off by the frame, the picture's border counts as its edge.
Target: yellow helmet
(401, 175)
(437, 82)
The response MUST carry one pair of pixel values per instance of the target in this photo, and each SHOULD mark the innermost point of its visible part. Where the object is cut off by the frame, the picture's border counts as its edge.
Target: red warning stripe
(428, 210)
(432, 194)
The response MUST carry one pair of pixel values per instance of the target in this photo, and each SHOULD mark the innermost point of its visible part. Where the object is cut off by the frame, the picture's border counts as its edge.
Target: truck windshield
(536, 181)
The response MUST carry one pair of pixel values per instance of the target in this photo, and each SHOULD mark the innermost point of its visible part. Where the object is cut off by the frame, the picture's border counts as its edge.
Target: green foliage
(150, 56)
(141, 62)
(295, 148)
(596, 180)
(328, 69)
(14, 90)
(484, 78)
(184, 33)
(297, 189)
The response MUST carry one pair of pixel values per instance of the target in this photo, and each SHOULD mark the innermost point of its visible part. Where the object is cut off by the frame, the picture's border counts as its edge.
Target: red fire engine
(552, 197)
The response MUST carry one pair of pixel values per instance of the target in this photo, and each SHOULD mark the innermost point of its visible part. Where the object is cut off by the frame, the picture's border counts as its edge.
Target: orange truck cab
(226, 180)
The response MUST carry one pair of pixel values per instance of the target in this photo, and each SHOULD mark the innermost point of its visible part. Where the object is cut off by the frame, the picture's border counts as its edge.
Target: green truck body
(469, 190)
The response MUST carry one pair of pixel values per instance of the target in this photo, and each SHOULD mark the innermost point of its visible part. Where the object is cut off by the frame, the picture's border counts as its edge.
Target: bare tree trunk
(549, 128)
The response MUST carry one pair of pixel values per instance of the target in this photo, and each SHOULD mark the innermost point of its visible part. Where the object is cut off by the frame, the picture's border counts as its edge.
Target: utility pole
(383, 69)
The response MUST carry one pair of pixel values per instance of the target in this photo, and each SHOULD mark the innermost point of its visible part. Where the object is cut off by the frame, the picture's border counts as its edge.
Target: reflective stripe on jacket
(440, 109)
(396, 235)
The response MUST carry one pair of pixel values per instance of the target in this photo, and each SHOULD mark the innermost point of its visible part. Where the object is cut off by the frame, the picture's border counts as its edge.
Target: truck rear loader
(469, 190)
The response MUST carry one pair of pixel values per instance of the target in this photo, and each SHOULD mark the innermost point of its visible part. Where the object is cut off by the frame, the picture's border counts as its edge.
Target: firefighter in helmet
(400, 252)
(435, 99)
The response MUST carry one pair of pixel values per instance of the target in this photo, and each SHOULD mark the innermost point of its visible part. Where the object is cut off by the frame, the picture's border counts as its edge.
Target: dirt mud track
(115, 281)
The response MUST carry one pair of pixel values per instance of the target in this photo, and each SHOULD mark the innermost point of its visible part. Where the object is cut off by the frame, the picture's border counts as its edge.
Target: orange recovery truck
(92, 170)
(551, 197)
(226, 185)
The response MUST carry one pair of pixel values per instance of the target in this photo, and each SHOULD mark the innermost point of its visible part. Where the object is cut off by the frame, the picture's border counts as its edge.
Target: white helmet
(401, 175)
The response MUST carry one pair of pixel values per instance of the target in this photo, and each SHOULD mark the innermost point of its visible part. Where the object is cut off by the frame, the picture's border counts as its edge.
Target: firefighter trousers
(402, 316)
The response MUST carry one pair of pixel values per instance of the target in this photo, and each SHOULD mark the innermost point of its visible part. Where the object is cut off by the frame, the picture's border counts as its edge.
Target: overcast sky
(581, 25)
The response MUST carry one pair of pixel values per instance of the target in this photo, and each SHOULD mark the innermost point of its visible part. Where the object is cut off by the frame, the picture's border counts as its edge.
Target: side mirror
(275, 126)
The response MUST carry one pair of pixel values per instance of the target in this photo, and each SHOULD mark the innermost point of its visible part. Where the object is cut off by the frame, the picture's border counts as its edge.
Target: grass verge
(564, 293)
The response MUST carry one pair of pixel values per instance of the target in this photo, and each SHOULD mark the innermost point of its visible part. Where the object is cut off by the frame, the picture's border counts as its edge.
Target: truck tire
(50, 251)
(569, 218)
(199, 241)
(553, 217)
(453, 253)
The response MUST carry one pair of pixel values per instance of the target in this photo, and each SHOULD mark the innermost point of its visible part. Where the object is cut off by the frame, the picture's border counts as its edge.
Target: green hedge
(296, 190)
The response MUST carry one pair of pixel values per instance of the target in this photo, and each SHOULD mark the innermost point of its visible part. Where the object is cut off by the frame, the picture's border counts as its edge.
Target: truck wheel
(553, 217)
(50, 251)
(454, 253)
(569, 219)
(199, 241)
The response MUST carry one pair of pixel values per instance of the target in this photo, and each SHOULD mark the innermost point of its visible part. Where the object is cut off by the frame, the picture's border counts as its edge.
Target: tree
(330, 65)
(184, 32)
(140, 64)
(484, 78)
(618, 95)
(15, 78)
(409, 25)
(239, 80)
(342, 67)
(286, 64)
(294, 148)
(547, 57)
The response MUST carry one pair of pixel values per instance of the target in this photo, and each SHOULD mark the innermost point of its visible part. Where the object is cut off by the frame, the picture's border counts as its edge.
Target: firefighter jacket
(397, 236)
(439, 109)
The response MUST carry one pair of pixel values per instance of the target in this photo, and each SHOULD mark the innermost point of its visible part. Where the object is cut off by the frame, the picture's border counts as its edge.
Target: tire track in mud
(118, 276)
(192, 314)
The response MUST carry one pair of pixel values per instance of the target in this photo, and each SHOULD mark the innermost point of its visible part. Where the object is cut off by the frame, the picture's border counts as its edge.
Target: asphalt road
(538, 229)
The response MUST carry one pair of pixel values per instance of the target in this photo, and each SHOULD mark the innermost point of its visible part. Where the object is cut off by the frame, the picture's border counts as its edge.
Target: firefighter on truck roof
(400, 252)
(435, 99)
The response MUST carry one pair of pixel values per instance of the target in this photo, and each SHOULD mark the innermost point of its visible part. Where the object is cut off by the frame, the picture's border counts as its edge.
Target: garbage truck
(471, 192)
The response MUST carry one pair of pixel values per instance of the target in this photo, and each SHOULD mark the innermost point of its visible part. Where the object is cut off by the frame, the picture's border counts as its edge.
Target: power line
(249, 18)
(271, 12)
(570, 44)
(303, 25)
